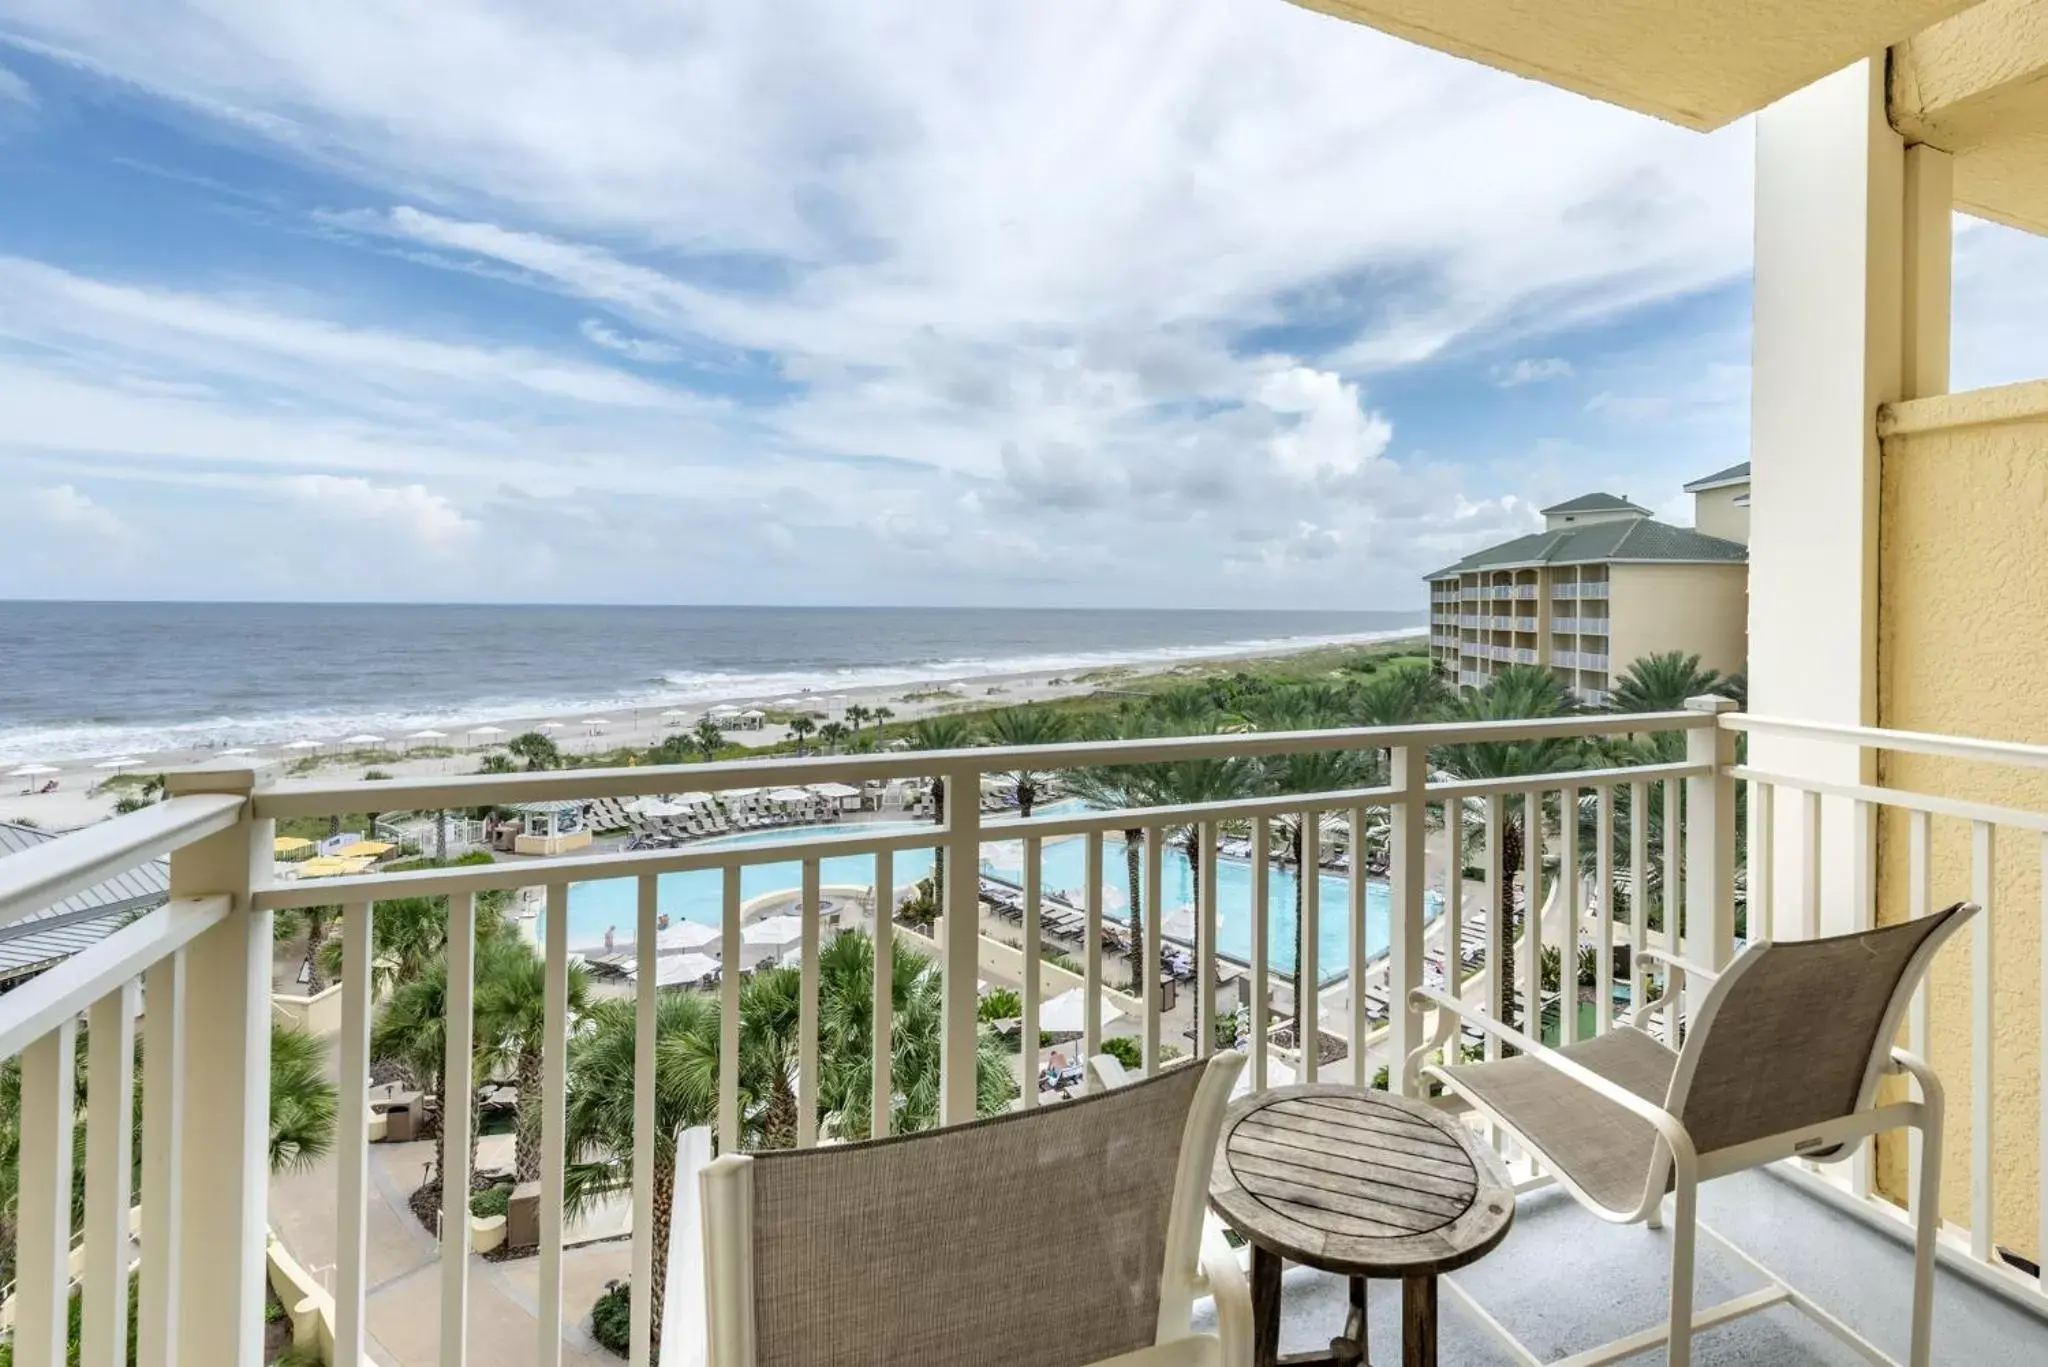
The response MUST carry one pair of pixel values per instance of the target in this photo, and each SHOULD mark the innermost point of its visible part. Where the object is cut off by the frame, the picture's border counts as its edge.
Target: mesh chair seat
(1605, 1150)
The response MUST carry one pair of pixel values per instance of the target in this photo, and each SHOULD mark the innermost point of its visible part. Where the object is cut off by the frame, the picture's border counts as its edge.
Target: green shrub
(496, 1201)
(611, 1319)
(1125, 1050)
(1001, 1004)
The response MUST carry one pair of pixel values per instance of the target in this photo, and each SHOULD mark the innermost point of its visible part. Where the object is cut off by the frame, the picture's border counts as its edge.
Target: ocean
(81, 679)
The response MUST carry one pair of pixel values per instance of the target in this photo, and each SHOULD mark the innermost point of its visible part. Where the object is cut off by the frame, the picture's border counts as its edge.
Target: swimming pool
(698, 895)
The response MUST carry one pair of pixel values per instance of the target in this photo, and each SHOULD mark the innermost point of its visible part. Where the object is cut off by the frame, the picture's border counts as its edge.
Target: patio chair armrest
(1232, 1293)
(1449, 1011)
(1675, 963)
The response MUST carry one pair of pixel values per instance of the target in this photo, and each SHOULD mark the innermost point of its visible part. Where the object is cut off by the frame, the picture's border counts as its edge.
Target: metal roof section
(80, 920)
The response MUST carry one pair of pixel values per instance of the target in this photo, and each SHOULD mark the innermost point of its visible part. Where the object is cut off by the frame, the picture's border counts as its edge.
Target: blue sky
(1142, 304)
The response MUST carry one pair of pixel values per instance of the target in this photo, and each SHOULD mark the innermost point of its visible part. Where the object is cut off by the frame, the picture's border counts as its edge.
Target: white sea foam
(677, 689)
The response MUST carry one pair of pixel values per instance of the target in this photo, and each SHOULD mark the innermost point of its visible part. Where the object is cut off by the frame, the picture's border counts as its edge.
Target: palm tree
(537, 748)
(940, 733)
(858, 714)
(1029, 726)
(1124, 785)
(1517, 692)
(411, 1035)
(599, 1118)
(1197, 781)
(882, 716)
(834, 734)
(708, 739)
(409, 934)
(303, 1102)
(801, 726)
(1662, 683)
(313, 923)
(511, 1023)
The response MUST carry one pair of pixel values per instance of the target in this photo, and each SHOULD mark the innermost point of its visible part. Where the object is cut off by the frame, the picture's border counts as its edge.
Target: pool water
(698, 895)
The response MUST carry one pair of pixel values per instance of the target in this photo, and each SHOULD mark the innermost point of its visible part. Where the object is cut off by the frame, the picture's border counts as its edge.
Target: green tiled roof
(1594, 503)
(1732, 475)
(1636, 538)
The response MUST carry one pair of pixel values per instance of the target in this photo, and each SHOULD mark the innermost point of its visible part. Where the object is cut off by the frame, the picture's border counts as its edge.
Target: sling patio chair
(1781, 1058)
(1065, 1235)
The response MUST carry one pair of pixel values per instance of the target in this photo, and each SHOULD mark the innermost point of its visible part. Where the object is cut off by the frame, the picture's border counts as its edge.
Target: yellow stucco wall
(1963, 569)
(1699, 609)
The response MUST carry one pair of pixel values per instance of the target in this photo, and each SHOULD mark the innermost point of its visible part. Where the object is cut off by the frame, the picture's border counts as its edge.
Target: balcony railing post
(1410, 766)
(1709, 850)
(962, 928)
(224, 1152)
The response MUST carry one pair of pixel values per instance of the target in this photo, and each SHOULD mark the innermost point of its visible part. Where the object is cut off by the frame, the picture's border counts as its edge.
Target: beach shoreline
(73, 803)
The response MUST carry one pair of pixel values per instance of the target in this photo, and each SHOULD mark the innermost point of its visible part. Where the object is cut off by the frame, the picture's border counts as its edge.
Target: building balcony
(1472, 619)
(1526, 592)
(192, 979)
(1579, 659)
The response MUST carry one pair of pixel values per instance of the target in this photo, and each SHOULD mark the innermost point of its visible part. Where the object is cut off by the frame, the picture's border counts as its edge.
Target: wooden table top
(1359, 1182)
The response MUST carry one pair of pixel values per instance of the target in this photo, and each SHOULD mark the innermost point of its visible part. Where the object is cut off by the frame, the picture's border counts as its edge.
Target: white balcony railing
(1522, 655)
(1471, 619)
(1525, 591)
(206, 959)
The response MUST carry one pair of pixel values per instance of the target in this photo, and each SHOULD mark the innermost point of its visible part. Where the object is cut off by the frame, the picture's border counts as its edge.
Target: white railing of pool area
(198, 971)
(1832, 888)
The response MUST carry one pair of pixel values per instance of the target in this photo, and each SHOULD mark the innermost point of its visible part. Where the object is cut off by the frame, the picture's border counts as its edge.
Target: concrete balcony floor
(1565, 1282)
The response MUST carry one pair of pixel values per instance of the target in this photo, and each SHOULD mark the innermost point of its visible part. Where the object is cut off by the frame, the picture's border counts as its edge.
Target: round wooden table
(1362, 1184)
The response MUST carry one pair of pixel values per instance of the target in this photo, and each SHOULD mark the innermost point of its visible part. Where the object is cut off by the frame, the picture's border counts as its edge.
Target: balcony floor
(1565, 1282)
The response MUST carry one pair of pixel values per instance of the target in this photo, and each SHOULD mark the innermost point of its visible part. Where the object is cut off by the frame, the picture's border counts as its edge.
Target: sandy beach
(80, 798)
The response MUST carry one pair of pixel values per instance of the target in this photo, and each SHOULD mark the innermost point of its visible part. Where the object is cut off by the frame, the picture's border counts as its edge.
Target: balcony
(1472, 620)
(1579, 659)
(1527, 592)
(1561, 1279)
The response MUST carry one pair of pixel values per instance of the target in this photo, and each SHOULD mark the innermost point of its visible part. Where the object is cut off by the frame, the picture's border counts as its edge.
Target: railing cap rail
(308, 798)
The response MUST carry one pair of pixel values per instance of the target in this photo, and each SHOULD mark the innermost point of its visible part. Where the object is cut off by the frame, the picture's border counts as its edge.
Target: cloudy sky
(1143, 303)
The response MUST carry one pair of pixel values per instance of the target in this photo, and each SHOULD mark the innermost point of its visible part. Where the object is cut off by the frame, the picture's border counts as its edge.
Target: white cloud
(63, 507)
(1330, 434)
(14, 90)
(1531, 370)
(946, 270)
(632, 348)
(421, 515)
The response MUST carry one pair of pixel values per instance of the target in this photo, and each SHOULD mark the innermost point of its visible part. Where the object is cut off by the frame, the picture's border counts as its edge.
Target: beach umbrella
(680, 970)
(303, 745)
(725, 710)
(239, 750)
(687, 935)
(551, 726)
(365, 849)
(486, 730)
(597, 721)
(789, 795)
(428, 734)
(675, 714)
(1061, 1015)
(774, 930)
(31, 771)
(290, 844)
(364, 739)
(122, 763)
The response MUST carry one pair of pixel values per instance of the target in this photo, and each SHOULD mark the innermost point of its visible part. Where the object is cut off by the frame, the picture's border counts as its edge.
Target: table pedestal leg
(1265, 1308)
(1418, 1322)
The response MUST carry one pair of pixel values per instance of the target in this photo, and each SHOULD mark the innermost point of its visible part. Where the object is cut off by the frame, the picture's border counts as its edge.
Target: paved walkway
(404, 1302)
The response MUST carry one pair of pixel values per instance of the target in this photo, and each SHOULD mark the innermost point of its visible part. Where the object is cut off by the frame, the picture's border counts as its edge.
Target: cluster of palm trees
(1400, 694)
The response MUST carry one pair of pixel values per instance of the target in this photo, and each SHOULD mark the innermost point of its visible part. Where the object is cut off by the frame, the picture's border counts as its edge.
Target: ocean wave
(679, 688)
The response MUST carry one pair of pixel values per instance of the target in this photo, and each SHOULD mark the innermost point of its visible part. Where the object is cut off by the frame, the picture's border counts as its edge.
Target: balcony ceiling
(1699, 64)
(1976, 86)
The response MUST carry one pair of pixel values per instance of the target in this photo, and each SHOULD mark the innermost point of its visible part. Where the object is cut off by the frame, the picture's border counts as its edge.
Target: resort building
(1601, 585)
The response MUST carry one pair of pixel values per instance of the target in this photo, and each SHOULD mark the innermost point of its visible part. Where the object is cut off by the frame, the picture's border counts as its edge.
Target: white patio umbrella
(774, 931)
(31, 771)
(725, 710)
(303, 744)
(1178, 924)
(364, 739)
(551, 726)
(680, 970)
(239, 750)
(687, 935)
(789, 795)
(597, 721)
(675, 714)
(428, 734)
(486, 730)
(124, 762)
(1061, 1015)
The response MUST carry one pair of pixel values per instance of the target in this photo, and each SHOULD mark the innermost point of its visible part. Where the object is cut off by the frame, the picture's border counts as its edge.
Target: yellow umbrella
(371, 848)
(326, 866)
(290, 844)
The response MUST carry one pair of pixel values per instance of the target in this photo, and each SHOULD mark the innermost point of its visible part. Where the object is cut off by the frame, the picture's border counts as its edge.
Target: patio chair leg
(1655, 1220)
(1926, 1228)
(1684, 1236)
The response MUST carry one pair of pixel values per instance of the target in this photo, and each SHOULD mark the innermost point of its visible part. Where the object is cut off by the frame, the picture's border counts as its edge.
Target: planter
(486, 1232)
